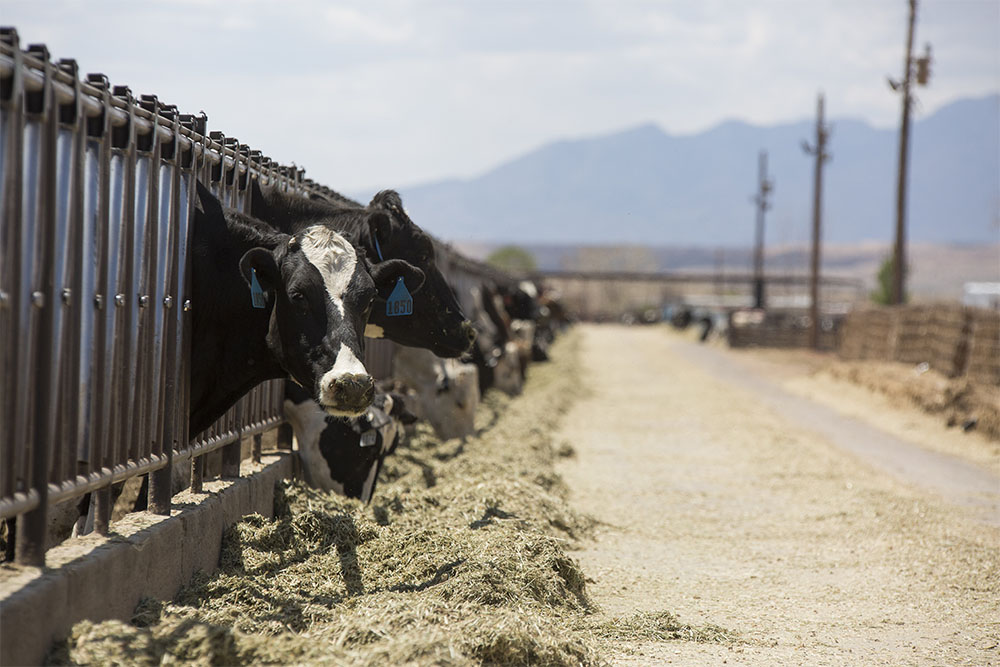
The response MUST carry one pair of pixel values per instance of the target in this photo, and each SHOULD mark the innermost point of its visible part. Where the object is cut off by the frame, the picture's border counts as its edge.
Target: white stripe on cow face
(334, 258)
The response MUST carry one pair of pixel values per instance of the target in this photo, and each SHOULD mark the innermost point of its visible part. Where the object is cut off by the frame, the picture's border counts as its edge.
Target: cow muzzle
(348, 395)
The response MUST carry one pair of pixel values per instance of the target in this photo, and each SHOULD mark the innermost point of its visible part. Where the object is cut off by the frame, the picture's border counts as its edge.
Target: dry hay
(460, 559)
(662, 626)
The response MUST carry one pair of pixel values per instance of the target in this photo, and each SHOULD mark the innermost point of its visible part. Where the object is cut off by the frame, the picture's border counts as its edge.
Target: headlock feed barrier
(95, 316)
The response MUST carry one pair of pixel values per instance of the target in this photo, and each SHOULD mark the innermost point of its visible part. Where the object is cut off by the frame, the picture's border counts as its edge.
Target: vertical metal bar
(31, 527)
(187, 168)
(69, 417)
(11, 155)
(133, 286)
(197, 474)
(105, 243)
(23, 269)
(198, 162)
(63, 176)
(285, 437)
(257, 446)
(85, 279)
(231, 452)
(149, 146)
(116, 246)
(126, 340)
(160, 496)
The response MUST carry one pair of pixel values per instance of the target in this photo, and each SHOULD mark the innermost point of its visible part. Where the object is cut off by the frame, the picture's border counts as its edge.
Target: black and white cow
(436, 322)
(306, 320)
(346, 455)
(384, 232)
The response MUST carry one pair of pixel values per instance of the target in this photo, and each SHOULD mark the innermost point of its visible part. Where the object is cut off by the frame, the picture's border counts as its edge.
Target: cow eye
(298, 298)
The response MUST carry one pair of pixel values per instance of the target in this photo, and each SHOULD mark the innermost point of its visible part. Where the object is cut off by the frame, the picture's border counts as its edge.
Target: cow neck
(229, 354)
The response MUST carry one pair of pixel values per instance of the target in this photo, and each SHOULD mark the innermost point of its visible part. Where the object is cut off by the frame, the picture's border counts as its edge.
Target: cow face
(321, 298)
(437, 322)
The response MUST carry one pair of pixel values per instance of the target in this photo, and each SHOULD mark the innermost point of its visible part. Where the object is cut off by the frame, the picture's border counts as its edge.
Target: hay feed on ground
(460, 559)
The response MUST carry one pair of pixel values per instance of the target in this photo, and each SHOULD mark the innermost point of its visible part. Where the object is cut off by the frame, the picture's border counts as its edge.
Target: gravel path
(724, 501)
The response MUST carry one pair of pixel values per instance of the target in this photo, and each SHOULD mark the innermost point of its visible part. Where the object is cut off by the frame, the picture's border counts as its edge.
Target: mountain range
(644, 186)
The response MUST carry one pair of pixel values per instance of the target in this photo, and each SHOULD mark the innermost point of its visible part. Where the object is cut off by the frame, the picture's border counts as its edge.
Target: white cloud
(353, 26)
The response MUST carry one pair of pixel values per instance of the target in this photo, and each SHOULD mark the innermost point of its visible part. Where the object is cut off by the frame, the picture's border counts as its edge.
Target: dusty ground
(724, 500)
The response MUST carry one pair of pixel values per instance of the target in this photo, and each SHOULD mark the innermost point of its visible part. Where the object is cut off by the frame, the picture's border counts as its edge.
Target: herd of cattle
(328, 273)
(300, 282)
(291, 290)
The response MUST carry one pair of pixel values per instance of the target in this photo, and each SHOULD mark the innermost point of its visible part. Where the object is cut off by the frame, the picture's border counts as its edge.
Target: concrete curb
(147, 555)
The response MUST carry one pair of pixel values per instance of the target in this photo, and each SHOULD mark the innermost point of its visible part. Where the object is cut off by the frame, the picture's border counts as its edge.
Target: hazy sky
(372, 94)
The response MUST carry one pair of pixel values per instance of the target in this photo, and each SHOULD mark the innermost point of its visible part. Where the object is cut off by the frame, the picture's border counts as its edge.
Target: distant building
(982, 295)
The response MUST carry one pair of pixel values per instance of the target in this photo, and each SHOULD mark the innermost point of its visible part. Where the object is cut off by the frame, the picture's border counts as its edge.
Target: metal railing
(97, 194)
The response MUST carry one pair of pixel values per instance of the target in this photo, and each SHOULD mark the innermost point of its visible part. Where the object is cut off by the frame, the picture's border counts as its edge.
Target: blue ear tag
(257, 295)
(399, 302)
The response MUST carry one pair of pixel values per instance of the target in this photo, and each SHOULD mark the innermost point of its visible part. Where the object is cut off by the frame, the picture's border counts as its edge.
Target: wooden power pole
(762, 205)
(819, 150)
(922, 64)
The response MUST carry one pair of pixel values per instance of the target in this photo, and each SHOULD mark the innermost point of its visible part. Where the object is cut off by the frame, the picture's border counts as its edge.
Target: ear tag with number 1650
(399, 302)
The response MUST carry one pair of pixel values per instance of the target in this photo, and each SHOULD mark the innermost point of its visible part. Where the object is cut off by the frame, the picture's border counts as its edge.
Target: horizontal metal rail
(21, 502)
(67, 92)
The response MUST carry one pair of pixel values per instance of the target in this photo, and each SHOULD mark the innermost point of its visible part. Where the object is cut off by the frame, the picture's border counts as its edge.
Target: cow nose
(353, 390)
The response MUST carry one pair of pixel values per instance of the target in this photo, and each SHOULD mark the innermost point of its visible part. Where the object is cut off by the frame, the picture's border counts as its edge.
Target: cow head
(320, 296)
(437, 322)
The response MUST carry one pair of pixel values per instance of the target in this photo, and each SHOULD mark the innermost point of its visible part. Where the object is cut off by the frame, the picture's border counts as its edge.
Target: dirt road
(769, 504)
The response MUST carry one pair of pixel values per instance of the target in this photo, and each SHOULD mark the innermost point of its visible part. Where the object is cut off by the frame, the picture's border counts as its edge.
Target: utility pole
(923, 74)
(819, 150)
(762, 205)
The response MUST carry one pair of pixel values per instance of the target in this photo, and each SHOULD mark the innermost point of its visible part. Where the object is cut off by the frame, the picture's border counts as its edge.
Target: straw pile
(460, 559)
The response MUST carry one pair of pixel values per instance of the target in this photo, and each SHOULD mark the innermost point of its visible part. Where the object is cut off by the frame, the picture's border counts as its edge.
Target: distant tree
(512, 258)
(883, 290)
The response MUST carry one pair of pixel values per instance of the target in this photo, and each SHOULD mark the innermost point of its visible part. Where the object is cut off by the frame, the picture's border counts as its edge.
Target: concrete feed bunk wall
(147, 555)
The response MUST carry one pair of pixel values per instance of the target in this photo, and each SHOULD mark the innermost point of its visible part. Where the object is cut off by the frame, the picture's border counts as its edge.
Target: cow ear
(258, 207)
(380, 231)
(207, 201)
(386, 273)
(260, 262)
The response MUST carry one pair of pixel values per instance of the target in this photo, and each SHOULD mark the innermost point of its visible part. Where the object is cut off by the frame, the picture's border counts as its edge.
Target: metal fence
(97, 194)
